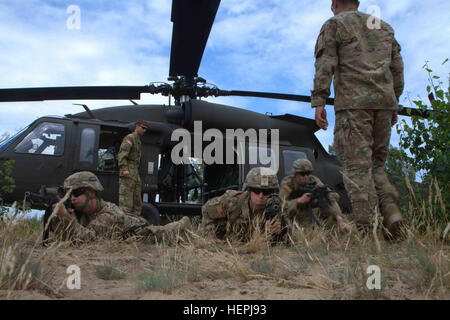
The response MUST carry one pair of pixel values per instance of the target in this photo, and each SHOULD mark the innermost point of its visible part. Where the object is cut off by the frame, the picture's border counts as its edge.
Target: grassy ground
(315, 264)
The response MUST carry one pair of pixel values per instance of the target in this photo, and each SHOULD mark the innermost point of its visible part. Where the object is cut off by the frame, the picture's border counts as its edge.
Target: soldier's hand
(127, 174)
(61, 212)
(217, 240)
(344, 225)
(321, 117)
(304, 199)
(274, 226)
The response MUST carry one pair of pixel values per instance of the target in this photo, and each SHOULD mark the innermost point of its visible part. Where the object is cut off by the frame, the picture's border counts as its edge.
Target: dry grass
(319, 262)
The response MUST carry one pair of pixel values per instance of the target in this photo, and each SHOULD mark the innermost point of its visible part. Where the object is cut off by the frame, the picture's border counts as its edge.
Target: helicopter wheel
(151, 214)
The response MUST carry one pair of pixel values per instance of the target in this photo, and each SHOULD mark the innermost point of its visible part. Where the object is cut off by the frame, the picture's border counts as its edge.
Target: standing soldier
(236, 214)
(360, 51)
(129, 180)
(300, 207)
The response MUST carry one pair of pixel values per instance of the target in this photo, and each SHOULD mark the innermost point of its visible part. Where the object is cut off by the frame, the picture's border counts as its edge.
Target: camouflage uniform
(108, 221)
(368, 81)
(130, 200)
(294, 210)
(230, 216)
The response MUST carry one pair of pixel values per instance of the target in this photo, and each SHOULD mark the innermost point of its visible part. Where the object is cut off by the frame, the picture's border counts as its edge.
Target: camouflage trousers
(169, 233)
(130, 200)
(361, 139)
(303, 216)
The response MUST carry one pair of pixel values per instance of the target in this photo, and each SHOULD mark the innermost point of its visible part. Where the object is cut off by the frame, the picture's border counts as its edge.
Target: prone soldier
(237, 214)
(99, 219)
(301, 192)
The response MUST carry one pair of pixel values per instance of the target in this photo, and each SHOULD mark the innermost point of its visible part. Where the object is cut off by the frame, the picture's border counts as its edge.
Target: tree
(428, 140)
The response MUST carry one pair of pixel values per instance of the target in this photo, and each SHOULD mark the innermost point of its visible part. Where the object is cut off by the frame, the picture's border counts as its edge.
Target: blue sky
(259, 45)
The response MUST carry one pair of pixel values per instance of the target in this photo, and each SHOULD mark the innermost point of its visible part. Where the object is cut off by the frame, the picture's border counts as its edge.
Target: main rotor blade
(72, 93)
(192, 23)
(281, 96)
(292, 97)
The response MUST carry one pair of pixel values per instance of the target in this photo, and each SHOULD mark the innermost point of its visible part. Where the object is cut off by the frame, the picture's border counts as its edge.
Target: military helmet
(261, 178)
(83, 179)
(302, 165)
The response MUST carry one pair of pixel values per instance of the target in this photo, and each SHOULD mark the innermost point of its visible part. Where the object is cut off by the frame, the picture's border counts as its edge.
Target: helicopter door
(86, 156)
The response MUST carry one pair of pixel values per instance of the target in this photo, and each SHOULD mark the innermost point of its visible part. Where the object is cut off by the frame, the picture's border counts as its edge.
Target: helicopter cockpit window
(87, 146)
(289, 157)
(46, 139)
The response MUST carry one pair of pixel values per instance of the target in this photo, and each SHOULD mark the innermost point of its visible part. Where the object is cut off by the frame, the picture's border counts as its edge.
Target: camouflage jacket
(107, 222)
(130, 155)
(366, 64)
(229, 215)
(290, 206)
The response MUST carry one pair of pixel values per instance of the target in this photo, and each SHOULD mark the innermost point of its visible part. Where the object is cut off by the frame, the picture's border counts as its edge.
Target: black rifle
(47, 197)
(273, 209)
(319, 194)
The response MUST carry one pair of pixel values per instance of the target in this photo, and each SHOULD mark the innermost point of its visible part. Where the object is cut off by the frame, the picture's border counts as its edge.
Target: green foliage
(7, 183)
(398, 168)
(427, 140)
(332, 150)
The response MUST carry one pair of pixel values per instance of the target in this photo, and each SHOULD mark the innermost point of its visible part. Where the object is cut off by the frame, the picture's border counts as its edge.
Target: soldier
(238, 213)
(99, 219)
(299, 208)
(364, 57)
(129, 180)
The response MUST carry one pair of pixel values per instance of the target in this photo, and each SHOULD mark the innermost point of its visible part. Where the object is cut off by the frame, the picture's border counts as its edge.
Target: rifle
(317, 193)
(273, 209)
(48, 196)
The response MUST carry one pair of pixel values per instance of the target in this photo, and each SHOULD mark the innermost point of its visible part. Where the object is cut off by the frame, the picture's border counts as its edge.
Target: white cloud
(260, 45)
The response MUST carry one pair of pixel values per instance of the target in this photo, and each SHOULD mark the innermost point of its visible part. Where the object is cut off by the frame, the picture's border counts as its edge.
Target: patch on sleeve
(287, 188)
(220, 210)
(129, 142)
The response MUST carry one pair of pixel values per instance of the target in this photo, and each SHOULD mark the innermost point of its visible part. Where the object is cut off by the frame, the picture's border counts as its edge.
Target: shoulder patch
(129, 142)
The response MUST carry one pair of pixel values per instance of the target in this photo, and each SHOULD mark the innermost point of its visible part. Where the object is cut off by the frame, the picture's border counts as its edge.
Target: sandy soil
(204, 272)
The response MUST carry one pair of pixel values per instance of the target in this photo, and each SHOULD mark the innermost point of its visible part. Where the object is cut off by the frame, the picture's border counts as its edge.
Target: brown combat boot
(392, 221)
(185, 223)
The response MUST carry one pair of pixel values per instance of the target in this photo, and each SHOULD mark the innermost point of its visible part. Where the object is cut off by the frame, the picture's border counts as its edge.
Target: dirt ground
(199, 271)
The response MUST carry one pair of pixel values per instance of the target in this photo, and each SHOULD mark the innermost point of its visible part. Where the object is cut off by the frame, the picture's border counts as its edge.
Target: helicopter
(51, 148)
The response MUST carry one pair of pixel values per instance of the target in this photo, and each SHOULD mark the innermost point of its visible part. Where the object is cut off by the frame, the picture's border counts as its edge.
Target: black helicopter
(52, 148)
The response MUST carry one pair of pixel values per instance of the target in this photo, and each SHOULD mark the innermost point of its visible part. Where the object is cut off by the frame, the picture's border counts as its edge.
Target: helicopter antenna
(87, 110)
(133, 102)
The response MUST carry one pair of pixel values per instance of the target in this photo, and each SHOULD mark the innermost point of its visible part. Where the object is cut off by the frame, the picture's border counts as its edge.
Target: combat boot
(392, 220)
(185, 223)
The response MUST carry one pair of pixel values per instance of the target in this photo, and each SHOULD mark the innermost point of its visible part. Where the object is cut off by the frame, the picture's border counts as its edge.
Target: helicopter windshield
(289, 157)
(47, 139)
(8, 141)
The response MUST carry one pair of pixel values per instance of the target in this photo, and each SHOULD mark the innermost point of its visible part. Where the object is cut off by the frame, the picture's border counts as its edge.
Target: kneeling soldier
(296, 195)
(99, 219)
